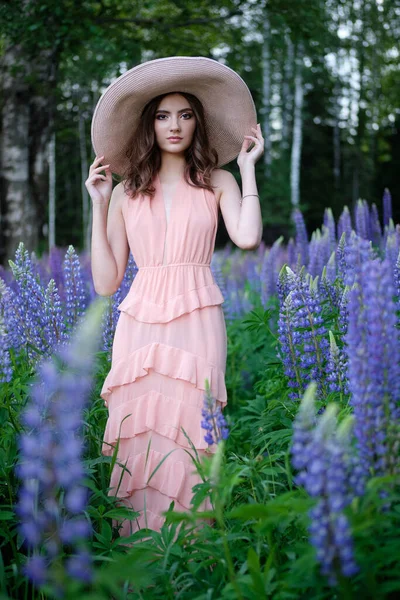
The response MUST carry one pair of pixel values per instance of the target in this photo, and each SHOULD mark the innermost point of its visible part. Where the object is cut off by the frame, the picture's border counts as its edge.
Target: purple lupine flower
(9, 334)
(234, 306)
(289, 352)
(357, 252)
(362, 219)
(111, 315)
(110, 320)
(336, 368)
(344, 223)
(392, 249)
(330, 225)
(301, 324)
(55, 332)
(213, 422)
(301, 236)
(331, 273)
(321, 454)
(343, 310)
(55, 264)
(76, 300)
(319, 252)
(375, 226)
(341, 254)
(291, 254)
(397, 277)
(270, 272)
(37, 311)
(373, 351)
(218, 274)
(51, 450)
(387, 207)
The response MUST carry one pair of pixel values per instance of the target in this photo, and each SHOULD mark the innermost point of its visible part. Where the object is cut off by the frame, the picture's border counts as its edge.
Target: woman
(171, 334)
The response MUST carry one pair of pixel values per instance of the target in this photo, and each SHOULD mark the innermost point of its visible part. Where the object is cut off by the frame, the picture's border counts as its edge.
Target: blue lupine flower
(270, 272)
(51, 451)
(291, 254)
(357, 252)
(330, 225)
(301, 236)
(319, 251)
(373, 350)
(375, 226)
(321, 454)
(392, 248)
(362, 219)
(344, 223)
(76, 300)
(302, 334)
(111, 314)
(387, 207)
(397, 276)
(213, 422)
(38, 315)
(336, 368)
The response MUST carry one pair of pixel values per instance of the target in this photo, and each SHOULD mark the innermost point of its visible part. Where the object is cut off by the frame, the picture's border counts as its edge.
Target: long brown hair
(145, 156)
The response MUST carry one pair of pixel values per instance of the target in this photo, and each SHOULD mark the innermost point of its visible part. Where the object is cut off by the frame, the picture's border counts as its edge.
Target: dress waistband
(191, 264)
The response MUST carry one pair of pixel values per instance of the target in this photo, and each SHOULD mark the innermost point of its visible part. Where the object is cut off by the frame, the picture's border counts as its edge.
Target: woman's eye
(183, 114)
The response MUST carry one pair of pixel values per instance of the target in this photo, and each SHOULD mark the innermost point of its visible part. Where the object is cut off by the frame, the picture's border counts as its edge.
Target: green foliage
(252, 544)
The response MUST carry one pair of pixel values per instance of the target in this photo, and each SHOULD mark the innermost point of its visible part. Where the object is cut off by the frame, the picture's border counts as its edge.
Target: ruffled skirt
(161, 359)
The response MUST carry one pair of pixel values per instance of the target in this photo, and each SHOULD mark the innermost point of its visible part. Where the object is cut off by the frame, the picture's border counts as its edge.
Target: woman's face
(174, 117)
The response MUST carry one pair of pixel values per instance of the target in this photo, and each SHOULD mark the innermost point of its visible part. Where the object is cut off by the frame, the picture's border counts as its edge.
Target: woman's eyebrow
(179, 111)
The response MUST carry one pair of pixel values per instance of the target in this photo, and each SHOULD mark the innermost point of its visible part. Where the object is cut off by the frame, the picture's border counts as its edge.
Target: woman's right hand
(99, 186)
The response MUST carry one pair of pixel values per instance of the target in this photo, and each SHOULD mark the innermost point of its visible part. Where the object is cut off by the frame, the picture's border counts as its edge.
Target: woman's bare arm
(110, 249)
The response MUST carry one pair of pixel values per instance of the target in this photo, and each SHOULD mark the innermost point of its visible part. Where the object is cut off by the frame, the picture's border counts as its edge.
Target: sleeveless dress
(170, 337)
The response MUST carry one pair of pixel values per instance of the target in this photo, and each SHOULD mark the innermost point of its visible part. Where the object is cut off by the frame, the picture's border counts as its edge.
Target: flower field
(305, 482)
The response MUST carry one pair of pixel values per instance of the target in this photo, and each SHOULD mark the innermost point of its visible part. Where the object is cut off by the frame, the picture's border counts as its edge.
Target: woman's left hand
(251, 157)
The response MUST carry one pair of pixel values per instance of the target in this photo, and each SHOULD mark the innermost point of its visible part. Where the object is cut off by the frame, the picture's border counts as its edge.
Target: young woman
(170, 338)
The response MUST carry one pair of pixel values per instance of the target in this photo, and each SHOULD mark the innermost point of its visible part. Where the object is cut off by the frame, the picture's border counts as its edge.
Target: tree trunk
(27, 111)
(18, 212)
(266, 95)
(287, 96)
(297, 128)
(52, 191)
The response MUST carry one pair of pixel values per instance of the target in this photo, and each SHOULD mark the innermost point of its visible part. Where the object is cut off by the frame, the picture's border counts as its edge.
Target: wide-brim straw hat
(228, 105)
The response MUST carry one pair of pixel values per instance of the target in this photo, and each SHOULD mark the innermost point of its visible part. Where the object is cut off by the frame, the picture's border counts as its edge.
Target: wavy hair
(145, 156)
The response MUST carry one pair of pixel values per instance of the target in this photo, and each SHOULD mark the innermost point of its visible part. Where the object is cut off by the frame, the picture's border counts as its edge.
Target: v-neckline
(167, 221)
(177, 187)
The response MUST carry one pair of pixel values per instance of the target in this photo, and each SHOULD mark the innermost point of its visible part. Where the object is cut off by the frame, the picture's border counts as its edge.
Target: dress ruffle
(174, 479)
(151, 312)
(167, 360)
(154, 411)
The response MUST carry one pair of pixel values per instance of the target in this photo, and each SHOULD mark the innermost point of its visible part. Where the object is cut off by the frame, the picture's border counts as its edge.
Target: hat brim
(228, 105)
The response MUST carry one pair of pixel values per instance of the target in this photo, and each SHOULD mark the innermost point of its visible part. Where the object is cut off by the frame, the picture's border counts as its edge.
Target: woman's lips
(171, 139)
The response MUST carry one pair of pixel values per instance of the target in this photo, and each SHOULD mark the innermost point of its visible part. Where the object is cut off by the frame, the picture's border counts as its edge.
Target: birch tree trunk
(52, 191)
(266, 95)
(287, 96)
(336, 136)
(28, 107)
(297, 128)
(18, 212)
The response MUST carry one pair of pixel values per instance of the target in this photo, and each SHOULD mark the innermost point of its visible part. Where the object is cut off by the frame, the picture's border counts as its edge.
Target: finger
(101, 168)
(95, 177)
(98, 159)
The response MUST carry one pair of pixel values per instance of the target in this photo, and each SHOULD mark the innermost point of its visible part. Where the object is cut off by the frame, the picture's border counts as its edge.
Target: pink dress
(170, 337)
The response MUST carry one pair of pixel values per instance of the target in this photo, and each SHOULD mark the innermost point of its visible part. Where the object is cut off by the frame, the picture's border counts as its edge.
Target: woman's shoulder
(219, 180)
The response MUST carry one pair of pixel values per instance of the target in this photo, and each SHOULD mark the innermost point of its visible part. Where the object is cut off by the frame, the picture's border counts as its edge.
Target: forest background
(324, 75)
